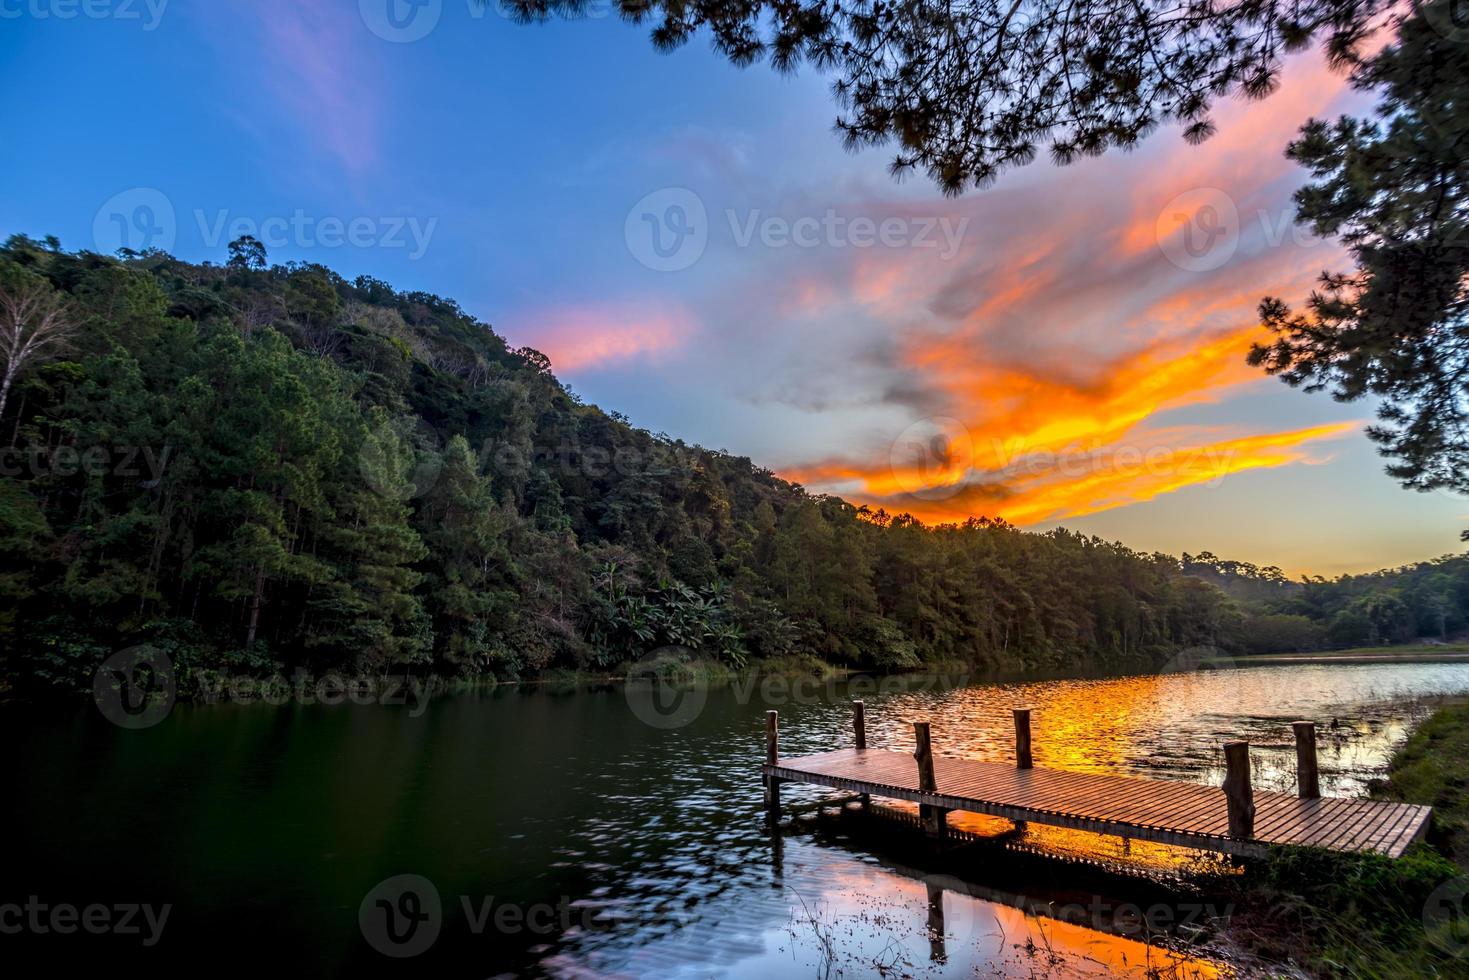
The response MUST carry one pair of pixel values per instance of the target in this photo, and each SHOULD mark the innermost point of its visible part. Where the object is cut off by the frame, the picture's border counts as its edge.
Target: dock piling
(1238, 794)
(932, 817)
(1308, 780)
(1022, 738)
(772, 756)
(859, 728)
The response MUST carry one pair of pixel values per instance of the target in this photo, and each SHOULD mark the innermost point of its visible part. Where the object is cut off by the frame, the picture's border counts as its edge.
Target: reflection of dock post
(859, 729)
(1308, 780)
(932, 817)
(937, 952)
(772, 756)
(1237, 791)
(777, 856)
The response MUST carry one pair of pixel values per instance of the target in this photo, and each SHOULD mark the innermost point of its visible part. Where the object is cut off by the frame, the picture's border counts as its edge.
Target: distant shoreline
(1408, 653)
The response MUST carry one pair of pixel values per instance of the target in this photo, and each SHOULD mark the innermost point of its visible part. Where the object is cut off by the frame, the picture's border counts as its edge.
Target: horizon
(1054, 350)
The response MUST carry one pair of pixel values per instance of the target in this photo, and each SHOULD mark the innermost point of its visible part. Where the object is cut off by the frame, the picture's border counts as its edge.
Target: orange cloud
(585, 338)
(1038, 442)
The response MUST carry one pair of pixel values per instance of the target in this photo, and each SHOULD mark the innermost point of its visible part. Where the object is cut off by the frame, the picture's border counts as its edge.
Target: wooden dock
(1230, 820)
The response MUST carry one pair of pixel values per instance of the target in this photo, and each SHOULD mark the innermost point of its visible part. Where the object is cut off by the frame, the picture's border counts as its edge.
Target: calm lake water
(614, 831)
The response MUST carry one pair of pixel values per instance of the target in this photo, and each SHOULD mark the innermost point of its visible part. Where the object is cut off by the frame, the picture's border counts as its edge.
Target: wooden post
(932, 817)
(1022, 750)
(1308, 780)
(1240, 797)
(1022, 738)
(859, 723)
(772, 756)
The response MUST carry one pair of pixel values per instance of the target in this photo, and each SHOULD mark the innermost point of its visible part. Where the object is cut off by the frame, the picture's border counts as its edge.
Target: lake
(617, 830)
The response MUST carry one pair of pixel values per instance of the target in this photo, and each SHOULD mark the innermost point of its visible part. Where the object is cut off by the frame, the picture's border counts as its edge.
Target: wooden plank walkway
(1185, 814)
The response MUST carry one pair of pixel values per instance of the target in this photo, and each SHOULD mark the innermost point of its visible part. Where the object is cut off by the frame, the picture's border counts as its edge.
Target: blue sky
(1075, 352)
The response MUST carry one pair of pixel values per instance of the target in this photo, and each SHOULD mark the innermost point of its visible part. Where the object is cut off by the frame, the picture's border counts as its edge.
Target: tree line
(257, 468)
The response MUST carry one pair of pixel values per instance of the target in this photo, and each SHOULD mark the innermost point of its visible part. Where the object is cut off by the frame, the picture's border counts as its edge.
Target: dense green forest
(259, 468)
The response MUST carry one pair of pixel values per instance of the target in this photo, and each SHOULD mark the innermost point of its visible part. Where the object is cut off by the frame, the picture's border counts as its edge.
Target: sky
(691, 246)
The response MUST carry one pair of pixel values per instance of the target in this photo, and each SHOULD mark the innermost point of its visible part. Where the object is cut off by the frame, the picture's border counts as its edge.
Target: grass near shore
(1433, 767)
(1368, 916)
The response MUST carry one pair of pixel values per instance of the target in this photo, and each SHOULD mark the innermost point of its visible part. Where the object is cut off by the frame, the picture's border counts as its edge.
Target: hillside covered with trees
(262, 468)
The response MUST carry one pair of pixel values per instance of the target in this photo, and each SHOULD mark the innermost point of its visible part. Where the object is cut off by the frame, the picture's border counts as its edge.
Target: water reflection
(266, 827)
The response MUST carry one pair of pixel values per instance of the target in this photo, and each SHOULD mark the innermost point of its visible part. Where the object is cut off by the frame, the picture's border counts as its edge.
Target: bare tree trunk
(255, 603)
(5, 385)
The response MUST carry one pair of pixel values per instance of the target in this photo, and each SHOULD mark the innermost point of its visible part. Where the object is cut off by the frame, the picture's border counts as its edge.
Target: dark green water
(565, 834)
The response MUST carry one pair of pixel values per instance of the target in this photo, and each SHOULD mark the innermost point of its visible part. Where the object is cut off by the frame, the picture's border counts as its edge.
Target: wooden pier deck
(1168, 812)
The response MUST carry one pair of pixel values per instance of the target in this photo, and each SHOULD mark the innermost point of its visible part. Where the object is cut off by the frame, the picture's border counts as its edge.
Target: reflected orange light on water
(935, 925)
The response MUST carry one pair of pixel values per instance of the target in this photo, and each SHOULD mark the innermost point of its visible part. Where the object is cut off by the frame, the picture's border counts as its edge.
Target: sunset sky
(690, 245)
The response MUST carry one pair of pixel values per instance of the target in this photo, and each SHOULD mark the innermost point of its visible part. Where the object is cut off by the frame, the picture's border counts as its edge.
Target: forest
(258, 468)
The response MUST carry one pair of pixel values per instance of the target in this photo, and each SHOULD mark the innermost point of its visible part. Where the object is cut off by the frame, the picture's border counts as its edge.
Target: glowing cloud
(578, 339)
(1034, 444)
